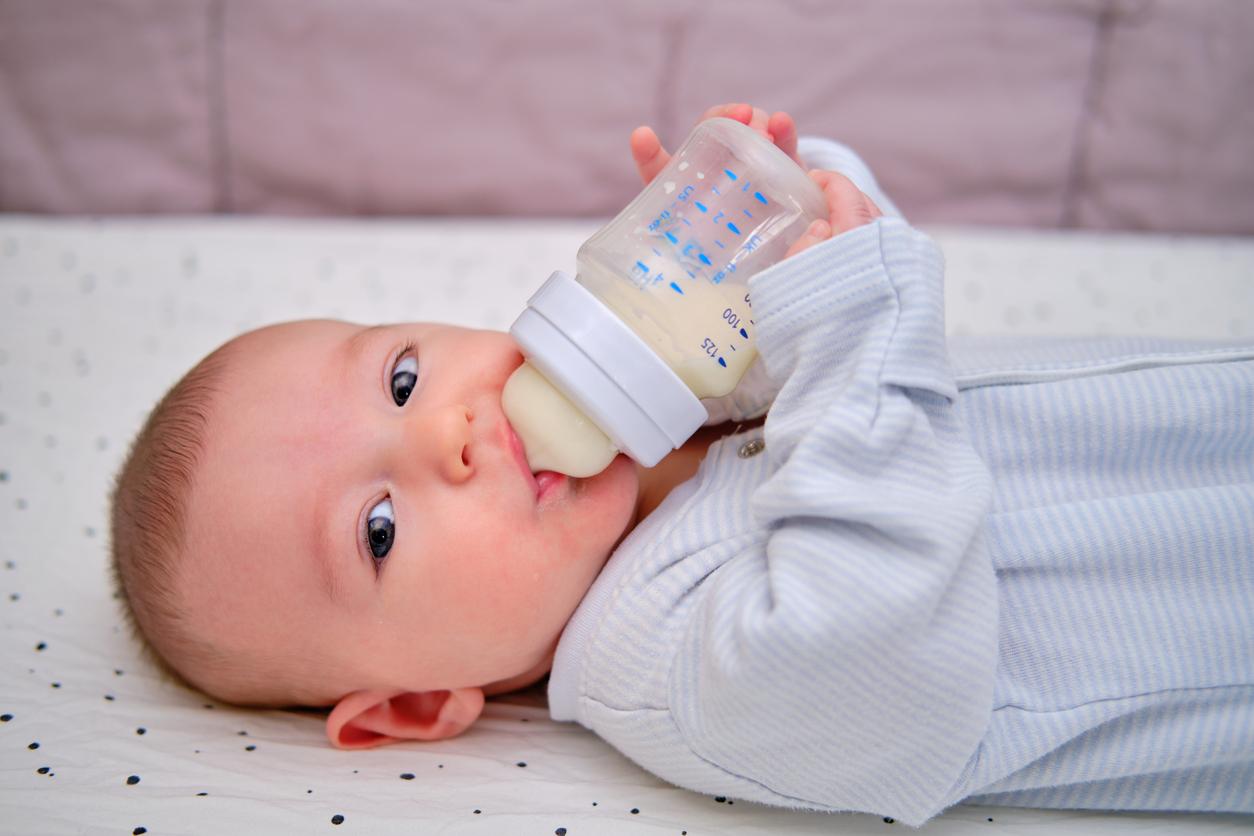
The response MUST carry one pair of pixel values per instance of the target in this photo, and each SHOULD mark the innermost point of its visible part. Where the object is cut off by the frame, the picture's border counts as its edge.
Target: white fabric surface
(98, 318)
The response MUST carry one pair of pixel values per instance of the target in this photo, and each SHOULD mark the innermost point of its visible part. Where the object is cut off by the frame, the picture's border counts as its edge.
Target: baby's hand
(778, 127)
(847, 208)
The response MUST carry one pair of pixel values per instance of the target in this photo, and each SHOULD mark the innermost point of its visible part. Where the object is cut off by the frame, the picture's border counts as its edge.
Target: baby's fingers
(736, 110)
(784, 132)
(647, 151)
(847, 206)
(818, 231)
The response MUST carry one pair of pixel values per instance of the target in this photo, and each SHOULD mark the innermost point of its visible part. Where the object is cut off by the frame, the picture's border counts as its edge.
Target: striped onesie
(1005, 571)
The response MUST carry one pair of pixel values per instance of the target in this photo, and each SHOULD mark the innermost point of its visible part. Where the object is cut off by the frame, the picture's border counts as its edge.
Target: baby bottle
(658, 314)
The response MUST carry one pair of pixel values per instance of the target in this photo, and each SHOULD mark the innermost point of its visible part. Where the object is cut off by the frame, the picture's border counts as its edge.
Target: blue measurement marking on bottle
(701, 206)
(747, 212)
(730, 173)
(733, 227)
(642, 266)
(716, 191)
(656, 251)
(744, 333)
(686, 221)
(677, 289)
(719, 244)
(671, 237)
(759, 196)
(722, 362)
(704, 259)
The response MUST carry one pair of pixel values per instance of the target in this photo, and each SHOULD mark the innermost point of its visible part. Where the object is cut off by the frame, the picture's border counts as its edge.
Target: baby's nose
(443, 438)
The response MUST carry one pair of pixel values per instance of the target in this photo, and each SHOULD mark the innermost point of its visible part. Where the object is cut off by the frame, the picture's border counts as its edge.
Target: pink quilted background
(1105, 114)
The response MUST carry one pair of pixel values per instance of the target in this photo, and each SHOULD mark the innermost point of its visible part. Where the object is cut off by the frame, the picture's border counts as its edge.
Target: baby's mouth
(542, 482)
(548, 481)
(514, 444)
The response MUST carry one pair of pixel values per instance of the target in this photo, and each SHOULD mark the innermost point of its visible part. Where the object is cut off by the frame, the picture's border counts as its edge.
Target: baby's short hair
(148, 519)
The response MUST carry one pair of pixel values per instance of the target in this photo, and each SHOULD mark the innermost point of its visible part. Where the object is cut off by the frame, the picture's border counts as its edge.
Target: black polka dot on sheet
(407, 776)
(337, 819)
(4, 718)
(132, 780)
(139, 830)
(34, 745)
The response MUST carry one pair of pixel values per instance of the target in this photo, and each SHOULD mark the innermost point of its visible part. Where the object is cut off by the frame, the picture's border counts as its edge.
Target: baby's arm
(839, 650)
(872, 589)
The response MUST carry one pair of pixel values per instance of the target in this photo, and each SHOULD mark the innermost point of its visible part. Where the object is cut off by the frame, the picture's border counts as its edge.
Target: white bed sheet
(99, 317)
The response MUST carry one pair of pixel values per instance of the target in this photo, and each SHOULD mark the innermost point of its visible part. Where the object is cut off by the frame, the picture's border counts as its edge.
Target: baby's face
(364, 507)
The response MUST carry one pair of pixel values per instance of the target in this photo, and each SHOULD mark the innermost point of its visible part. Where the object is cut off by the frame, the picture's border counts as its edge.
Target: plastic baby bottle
(658, 315)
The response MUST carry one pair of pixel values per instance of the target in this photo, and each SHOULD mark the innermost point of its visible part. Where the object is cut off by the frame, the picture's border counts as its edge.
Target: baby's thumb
(817, 232)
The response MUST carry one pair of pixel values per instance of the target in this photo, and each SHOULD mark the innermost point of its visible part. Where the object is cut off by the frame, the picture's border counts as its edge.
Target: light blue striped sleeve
(847, 659)
(756, 390)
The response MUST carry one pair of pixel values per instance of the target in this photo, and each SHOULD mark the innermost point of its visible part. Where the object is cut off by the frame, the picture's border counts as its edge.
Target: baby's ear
(371, 718)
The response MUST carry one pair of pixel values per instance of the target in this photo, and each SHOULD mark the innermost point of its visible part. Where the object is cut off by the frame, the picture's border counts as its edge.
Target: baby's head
(322, 513)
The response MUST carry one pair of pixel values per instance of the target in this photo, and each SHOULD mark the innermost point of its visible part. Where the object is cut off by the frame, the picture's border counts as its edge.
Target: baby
(884, 584)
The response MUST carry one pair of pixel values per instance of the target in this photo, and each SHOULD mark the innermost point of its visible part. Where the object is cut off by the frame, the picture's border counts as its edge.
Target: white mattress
(98, 318)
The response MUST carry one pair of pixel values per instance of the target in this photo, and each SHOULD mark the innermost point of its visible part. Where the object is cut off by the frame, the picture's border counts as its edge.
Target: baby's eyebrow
(357, 343)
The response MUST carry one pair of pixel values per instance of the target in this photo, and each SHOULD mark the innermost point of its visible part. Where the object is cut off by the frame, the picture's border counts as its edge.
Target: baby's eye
(381, 529)
(404, 377)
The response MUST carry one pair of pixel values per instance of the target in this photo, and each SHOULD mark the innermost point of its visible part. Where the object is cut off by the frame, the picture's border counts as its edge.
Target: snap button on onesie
(751, 448)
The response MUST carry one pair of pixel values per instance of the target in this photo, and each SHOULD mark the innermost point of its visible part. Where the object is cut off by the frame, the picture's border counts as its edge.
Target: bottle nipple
(555, 434)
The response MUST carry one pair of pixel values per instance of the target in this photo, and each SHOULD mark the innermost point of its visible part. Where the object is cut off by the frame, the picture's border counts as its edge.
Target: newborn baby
(902, 575)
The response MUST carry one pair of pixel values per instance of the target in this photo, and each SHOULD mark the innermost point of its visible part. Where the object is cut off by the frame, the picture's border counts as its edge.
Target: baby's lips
(514, 446)
(548, 480)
